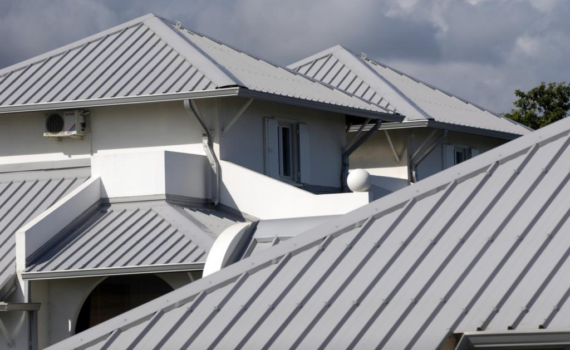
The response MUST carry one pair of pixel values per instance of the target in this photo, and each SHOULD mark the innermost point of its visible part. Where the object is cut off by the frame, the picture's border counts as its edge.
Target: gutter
(234, 91)
(443, 126)
(207, 143)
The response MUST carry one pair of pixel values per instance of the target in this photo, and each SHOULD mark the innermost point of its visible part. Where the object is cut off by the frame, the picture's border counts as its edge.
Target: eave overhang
(112, 271)
(444, 126)
(180, 96)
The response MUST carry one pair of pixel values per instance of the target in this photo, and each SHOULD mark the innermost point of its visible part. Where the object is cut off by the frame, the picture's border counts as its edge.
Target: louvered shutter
(304, 154)
(271, 148)
(474, 152)
(448, 156)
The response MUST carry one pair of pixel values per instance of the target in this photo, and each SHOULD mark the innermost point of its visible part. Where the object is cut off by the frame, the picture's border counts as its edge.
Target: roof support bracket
(207, 141)
(396, 155)
(355, 136)
(349, 150)
(6, 334)
(236, 117)
(422, 152)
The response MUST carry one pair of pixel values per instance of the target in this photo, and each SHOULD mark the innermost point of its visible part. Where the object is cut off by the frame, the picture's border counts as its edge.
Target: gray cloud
(478, 49)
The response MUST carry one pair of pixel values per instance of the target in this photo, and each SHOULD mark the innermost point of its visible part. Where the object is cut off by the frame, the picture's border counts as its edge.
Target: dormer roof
(398, 92)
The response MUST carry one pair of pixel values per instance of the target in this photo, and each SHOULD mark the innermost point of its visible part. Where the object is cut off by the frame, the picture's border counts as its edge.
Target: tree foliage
(543, 105)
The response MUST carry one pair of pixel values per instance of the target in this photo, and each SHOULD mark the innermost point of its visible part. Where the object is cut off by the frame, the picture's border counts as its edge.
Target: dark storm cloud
(479, 49)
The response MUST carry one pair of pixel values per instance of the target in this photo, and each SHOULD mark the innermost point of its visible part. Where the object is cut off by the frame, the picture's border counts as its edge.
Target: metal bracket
(6, 334)
(396, 155)
(422, 152)
(236, 117)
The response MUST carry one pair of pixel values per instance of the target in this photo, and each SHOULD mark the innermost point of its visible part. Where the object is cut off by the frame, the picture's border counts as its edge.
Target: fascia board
(389, 117)
(112, 271)
(118, 101)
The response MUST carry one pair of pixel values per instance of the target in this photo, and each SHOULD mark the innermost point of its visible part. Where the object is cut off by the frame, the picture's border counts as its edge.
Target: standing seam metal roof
(129, 235)
(23, 196)
(398, 92)
(150, 56)
(483, 245)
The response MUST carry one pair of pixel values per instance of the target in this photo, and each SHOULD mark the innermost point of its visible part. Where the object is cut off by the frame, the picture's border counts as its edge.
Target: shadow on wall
(108, 128)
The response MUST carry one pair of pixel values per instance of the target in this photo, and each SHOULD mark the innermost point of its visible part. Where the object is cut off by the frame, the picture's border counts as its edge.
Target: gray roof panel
(483, 245)
(150, 56)
(130, 235)
(398, 92)
(25, 195)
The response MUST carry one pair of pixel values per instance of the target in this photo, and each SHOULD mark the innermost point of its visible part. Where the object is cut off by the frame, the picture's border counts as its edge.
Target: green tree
(543, 105)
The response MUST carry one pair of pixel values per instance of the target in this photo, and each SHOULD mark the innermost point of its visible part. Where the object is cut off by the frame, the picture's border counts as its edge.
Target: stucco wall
(62, 300)
(136, 128)
(377, 157)
(243, 143)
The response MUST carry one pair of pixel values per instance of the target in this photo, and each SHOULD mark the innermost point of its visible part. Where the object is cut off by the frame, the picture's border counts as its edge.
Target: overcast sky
(481, 50)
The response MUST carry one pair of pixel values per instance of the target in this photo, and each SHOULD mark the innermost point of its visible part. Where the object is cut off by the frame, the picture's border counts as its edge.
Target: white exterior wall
(167, 126)
(376, 155)
(62, 300)
(433, 163)
(243, 143)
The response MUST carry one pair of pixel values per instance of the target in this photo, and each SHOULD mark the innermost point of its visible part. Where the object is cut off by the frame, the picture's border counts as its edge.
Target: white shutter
(474, 152)
(304, 154)
(271, 148)
(448, 156)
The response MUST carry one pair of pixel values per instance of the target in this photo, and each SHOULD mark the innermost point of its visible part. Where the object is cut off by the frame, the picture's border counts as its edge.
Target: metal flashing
(113, 271)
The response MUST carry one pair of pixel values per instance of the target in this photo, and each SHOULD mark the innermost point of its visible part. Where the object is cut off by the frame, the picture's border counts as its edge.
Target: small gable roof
(151, 59)
(130, 238)
(398, 92)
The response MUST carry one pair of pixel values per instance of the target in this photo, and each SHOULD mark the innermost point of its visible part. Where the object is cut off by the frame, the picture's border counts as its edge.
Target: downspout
(351, 148)
(207, 143)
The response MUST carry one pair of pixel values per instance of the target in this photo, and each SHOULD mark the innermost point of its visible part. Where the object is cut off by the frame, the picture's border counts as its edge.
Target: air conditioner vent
(62, 124)
(54, 123)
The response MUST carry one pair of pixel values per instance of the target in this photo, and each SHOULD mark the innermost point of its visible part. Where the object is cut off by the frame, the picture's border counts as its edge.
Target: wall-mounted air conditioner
(65, 124)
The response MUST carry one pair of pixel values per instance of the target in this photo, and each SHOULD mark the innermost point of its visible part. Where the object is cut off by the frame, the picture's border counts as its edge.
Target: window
(456, 154)
(287, 155)
(287, 150)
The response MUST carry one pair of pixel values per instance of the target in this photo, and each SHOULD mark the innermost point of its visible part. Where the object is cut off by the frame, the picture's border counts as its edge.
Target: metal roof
(151, 59)
(398, 92)
(134, 237)
(482, 245)
(23, 196)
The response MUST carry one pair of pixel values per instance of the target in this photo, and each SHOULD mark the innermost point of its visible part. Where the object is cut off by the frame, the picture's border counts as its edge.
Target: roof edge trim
(46, 165)
(116, 101)
(390, 117)
(112, 271)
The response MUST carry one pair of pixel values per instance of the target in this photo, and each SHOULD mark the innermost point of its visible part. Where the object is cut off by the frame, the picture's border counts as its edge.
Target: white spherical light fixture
(359, 180)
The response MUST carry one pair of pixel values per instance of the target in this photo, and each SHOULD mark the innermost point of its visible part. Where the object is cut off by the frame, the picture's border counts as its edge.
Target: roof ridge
(393, 87)
(419, 81)
(209, 67)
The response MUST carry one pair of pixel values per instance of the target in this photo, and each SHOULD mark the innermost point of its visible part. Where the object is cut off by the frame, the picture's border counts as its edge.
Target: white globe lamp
(359, 180)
